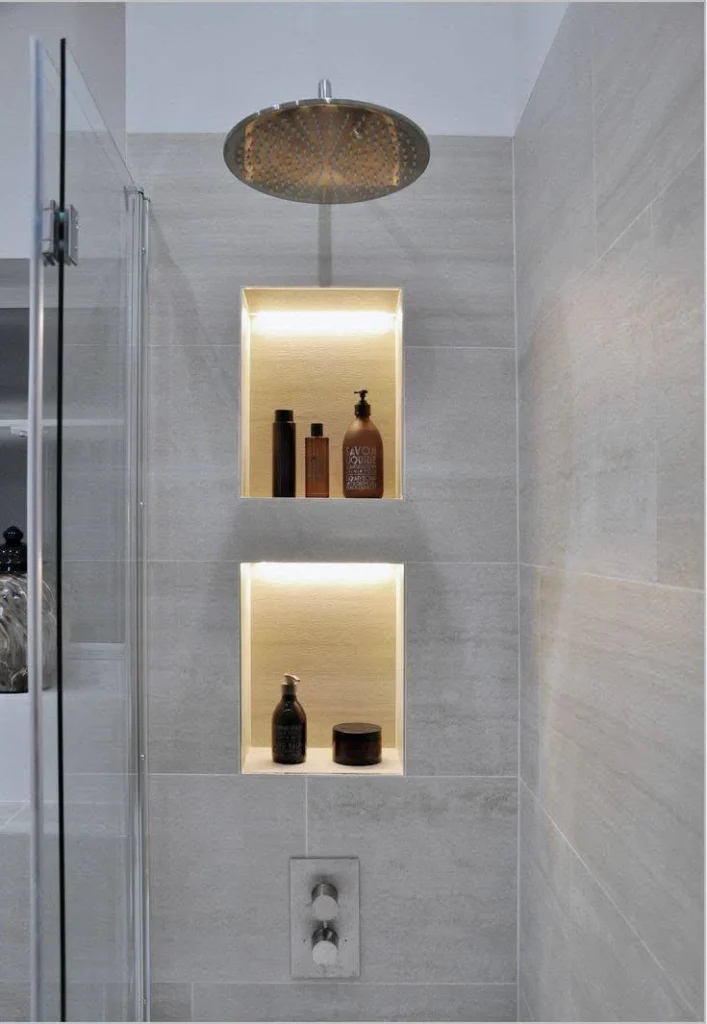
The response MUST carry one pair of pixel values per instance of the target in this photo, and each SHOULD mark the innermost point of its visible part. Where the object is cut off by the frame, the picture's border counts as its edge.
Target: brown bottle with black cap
(363, 454)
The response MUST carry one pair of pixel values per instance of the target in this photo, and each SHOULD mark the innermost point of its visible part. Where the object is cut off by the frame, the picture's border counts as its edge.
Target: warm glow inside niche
(309, 349)
(339, 627)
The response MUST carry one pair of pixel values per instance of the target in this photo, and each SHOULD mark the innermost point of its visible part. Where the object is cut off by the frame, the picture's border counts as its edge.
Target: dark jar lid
(357, 744)
(13, 553)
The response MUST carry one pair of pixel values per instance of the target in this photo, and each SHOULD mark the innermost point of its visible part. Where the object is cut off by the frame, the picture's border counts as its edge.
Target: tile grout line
(613, 579)
(680, 997)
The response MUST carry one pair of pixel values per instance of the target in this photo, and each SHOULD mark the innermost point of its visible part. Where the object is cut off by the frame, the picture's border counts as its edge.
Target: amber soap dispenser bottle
(289, 726)
(363, 454)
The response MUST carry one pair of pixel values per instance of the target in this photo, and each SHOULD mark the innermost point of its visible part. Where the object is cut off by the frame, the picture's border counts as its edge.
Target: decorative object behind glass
(13, 617)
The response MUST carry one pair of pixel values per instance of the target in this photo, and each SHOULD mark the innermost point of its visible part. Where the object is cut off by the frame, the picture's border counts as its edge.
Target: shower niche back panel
(309, 350)
(340, 628)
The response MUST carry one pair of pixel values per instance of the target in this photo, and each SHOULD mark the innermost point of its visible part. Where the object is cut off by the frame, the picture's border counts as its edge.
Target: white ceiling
(455, 68)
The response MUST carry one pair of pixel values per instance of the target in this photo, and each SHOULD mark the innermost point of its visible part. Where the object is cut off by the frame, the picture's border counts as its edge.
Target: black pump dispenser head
(362, 409)
(289, 687)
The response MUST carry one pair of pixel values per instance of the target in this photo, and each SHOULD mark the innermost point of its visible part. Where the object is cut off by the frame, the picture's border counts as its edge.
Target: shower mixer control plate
(324, 917)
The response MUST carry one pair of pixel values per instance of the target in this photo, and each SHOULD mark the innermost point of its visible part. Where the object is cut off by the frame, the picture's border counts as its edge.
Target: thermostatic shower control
(325, 904)
(324, 917)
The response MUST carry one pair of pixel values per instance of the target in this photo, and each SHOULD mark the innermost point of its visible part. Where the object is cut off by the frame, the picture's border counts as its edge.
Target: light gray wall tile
(679, 328)
(482, 530)
(348, 1001)
(14, 1001)
(462, 669)
(623, 739)
(588, 421)
(529, 677)
(8, 811)
(447, 241)
(460, 423)
(544, 915)
(219, 847)
(580, 959)
(438, 861)
(554, 198)
(170, 1002)
(14, 908)
(194, 667)
(648, 104)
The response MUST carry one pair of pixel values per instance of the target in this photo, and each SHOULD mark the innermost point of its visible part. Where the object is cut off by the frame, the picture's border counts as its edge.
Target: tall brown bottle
(363, 455)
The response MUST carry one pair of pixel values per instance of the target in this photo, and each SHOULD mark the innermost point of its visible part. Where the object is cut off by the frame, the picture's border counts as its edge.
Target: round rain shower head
(326, 150)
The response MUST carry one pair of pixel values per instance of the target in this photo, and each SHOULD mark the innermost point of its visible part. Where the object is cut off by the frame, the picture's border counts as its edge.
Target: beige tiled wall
(437, 847)
(610, 280)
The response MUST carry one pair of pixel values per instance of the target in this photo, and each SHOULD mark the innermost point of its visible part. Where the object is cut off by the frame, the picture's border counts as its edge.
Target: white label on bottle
(361, 467)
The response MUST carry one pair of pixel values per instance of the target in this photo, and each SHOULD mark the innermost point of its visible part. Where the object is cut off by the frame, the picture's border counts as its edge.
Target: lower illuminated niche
(339, 627)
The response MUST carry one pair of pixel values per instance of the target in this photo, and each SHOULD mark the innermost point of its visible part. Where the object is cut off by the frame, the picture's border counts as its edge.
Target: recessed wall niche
(309, 350)
(340, 628)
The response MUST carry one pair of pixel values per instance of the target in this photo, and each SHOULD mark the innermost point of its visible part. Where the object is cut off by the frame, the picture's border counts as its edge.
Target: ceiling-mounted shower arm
(324, 92)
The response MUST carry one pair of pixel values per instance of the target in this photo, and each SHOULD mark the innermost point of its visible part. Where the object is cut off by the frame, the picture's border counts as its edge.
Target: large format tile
(462, 669)
(438, 862)
(648, 104)
(458, 283)
(580, 959)
(544, 922)
(623, 752)
(678, 329)
(219, 847)
(460, 424)
(170, 1002)
(447, 241)
(194, 412)
(14, 1001)
(482, 529)
(529, 677)
(554, 199)
(349, 1001)
(613, 487)
(14, 907)
(193, 667)
(587, 421)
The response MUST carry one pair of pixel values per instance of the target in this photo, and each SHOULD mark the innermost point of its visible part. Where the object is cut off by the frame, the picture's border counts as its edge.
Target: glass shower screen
(91, 496)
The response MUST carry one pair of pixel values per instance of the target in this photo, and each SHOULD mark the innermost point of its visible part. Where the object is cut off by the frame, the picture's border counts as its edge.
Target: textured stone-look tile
(614, 397)
(243, 530)
(553, 175)
(219, 847)
(544, 915)
(580, 959)
(14, 1001)
(462, 669)
(8, 811)
(96, 702)
(14, 908)
(193, 666)
(194, 412)
(94, 600)
(460, 424)
(170, 1002)
(529, 681)
(438, 862)
(623, 752)
(587, 421)
(648, 104)
(349, 1001)
(447, 241)
(679, 328)
(86, 1002)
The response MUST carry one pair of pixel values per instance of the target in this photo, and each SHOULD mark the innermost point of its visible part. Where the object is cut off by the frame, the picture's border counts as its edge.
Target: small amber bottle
(316, 463)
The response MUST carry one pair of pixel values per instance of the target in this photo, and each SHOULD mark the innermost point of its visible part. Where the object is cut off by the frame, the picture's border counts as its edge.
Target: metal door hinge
(60, 235)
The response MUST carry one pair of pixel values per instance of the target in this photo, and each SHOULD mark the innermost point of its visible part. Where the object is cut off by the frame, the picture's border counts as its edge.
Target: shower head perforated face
(327, 151)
